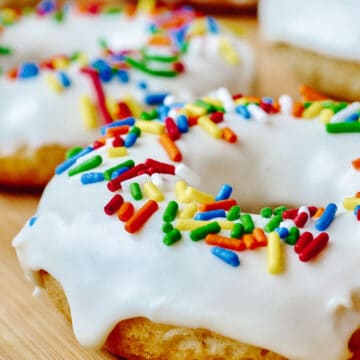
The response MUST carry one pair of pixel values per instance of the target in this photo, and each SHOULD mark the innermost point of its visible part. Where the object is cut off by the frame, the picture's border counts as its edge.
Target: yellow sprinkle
(198, 27)
(210, 127)
(60, 63)
(152, 191)
(274, 254)
(313, 110)
(146, 6)
(195, 110)
(241, 101)
(326, 115)
(112, 106)
(88, 113)
(180, 189)
(152, 127)
(190, 224)
(119, 151)
(195, 195)
(351, 203)
(82, 59)
(7, 15)
(227, 51)
(212, 101)
(188, 211)
(133, 105)
(53, 83)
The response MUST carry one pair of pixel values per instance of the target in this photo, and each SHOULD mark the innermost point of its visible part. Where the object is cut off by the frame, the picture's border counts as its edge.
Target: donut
(229, 228)
(319, 39)
(63, 78)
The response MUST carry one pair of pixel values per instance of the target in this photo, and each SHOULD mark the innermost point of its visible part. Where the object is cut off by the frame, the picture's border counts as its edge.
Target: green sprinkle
(103, 44)
(266, 212)
(233, 213)
(145, 116)
(237, 231)
(172, 237)
(279, 210)
(339, 106)
(293, 236)
(135, 191)
(142, 67)
(343, 127)
(167, 227)
(59, 16)
(201, 232)
(108, 172)
(248, 223)
(136, 130)
(113, 10)
(73, 151)
(273, 223)
(307, 104)
(171, 211)
(219, 108)
(209, 107)
(86, 165)
(5, 50)
(165, 59)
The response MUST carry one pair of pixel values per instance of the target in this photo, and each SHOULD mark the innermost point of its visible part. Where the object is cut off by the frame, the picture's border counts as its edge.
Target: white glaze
(33, 115)
(305, 313)
(329, 27)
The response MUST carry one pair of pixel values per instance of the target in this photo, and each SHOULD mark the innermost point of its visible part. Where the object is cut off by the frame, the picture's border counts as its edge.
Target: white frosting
(329, 27)
(34, 115)
(306, 313)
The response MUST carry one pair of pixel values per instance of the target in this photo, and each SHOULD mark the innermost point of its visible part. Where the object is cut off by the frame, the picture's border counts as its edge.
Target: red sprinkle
(115, 184)
(179, 67)
(304, 240)
(314, 247)
(159, 167)
(114, 204)
(301, 219)
(237, 96)
(118, 141)
(98, 144)
(141, 216)
(217, 117)
(172, 129)
(123, 111)
(292, 213)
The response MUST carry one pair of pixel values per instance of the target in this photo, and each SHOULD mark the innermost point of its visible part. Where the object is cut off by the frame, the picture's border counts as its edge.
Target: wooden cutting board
(30, 327)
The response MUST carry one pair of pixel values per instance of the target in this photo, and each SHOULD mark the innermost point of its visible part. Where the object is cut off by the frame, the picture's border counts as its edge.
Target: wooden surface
(30, 328)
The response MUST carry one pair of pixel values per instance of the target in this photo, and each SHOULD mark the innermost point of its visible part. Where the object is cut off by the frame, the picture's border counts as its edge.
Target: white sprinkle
(286, 104)
(257, 113)
(185, 173)
(158, 180)
(225, 97)
(343, 114)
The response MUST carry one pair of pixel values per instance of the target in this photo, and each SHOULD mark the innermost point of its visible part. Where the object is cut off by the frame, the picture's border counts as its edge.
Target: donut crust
(30, 168)
(140, 338)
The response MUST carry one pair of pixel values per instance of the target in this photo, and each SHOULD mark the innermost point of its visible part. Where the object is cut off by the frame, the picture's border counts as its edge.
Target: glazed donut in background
(51, 101)
(320, 39)
(178, 244)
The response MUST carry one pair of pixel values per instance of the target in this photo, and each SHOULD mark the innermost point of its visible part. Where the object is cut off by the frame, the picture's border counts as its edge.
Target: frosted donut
(321, 41)
(52, 102)
(156, 234)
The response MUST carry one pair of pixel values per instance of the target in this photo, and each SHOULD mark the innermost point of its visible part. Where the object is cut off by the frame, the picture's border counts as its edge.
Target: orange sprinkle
(228, 135)
(298, 109)
(252, 99)
(140, 217)
(318, 213)
(130, 9)
(276, 106)
(260, 236)
(117, 130)
(170, 147)
(218, 205)
(159, 40)
(126, 211)
(311, 94)
(12, 73)
(250, 242)
(357, 195)
(225, 242)
(356, 164)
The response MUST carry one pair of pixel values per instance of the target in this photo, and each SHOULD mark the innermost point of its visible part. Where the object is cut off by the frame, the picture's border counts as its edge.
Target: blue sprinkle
(128, 121)
(212, 25)
(152, 28)
(117, 57)
(64, 79)
(224, 192)
(119, 172)
(155, 99)
(243, 111)
(91, 178)
(28, 70)
(326, 218)
(352, 117)
(71, 161)
(46, 6)
(356, 209)
(182, 124)
(130, 139)
(177, 105)
(227, 256)
(163, 112)
(33, 220)
(179, 36)
(212, 214)
(123, 76)
(104, 69)
(267, 100)
(282, 231)
(142, 85)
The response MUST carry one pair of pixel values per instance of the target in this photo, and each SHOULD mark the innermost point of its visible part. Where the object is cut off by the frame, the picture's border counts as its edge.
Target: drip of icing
(106, 278)
(327, 27)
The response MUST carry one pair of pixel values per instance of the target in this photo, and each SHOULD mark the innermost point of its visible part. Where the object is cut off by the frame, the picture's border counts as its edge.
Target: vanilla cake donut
(321, 41)
(185, 270)
(53, 102)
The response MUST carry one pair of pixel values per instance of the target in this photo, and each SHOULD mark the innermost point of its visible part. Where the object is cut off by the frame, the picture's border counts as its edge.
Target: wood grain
(30, 328)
